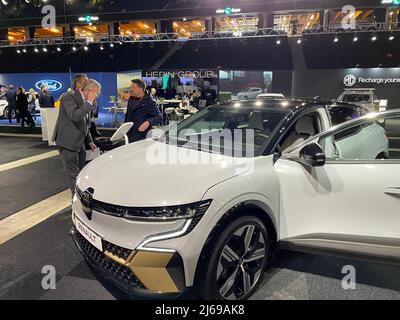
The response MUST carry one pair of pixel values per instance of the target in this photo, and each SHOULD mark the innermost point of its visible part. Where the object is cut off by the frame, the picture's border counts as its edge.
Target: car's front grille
(120, 252)
(114, 269)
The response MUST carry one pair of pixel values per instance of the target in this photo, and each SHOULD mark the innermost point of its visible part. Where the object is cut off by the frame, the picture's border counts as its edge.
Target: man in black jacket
(142, 110)
(46, 99)
(22, 108)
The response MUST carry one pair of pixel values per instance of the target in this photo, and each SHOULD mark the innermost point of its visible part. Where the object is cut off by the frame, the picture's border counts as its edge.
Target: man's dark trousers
(73, 162)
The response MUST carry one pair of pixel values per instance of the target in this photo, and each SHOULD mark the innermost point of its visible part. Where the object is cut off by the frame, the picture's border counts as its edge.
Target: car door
(352, 203)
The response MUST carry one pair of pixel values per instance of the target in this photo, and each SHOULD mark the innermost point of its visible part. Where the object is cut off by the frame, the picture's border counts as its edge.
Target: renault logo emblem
(87, 198)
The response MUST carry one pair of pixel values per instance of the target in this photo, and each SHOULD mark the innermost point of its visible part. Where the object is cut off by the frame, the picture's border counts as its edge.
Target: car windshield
(238, 130)
(356, 97)
(342, 114)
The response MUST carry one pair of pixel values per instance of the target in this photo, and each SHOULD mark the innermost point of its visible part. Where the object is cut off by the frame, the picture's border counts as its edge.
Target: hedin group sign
(181, 74)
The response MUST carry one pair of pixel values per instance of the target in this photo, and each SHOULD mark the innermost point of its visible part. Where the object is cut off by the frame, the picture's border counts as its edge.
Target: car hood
(133, 176)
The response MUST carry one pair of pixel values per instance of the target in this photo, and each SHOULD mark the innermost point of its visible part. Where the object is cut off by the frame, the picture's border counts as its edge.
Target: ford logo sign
(52, 85)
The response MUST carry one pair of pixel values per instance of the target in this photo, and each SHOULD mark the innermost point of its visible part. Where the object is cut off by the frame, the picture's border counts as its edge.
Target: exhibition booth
(183, 92)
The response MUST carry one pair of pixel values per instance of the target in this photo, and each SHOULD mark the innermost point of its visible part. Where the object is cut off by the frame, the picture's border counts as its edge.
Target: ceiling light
(299, 41)
(391, 38)
(4, 2)
(184, 19)
(336, 39)
(355, 39)
(112, 45)
(74, 48)
(18, 51)
(44, 49)
(278, 42)
(373, 38)
(36, 50)
(101, 47)
(86, 48)
(24, 50)
(58, 49)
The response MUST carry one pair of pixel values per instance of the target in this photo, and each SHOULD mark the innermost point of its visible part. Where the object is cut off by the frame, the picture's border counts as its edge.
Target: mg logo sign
(349, 80)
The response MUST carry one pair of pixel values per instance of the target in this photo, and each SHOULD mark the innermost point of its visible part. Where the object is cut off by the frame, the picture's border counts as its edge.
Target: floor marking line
(28, 135)
(33, 215)
(25, 161)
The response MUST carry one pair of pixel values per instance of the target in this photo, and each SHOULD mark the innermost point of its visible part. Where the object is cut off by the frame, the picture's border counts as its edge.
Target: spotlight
(298, 41)
(58, 49)
(36, 50)
(24, 50)
(44, 49)
(278, 42)
(101, 47)
(86, 48)
(336, 39)
(74, 48)
(4, 2)
(18, 51)
(111, 45)
(355, 39)
(391, 38)
(373, 38)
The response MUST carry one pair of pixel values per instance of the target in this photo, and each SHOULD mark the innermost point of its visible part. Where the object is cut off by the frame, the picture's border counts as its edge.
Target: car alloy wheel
(7, 112)
(241, 262)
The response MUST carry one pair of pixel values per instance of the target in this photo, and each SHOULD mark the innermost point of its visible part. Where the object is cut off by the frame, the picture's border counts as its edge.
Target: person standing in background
(46, 99)
(22, 108)
(11, 99)
(33, 102)
(142, 110)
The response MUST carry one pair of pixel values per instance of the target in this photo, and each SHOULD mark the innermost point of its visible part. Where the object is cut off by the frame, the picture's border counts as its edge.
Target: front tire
(6, 113)
(237, 261)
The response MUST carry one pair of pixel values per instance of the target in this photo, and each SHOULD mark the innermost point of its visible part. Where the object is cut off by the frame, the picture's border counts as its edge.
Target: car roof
(275, 103)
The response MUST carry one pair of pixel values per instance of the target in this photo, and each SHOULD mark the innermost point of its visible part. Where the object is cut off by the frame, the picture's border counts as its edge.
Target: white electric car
(169, 215)
(3, 109)
(250, 93)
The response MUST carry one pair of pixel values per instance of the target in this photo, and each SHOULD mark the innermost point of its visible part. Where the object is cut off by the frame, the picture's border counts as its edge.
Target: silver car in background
(363, 97)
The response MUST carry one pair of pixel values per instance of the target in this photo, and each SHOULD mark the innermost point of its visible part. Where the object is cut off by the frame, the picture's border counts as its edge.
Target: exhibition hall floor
(35, 222)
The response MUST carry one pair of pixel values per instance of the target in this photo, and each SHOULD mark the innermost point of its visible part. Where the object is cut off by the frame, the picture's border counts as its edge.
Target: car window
(371, 140)
(304, 127)
(247, 126)
(356, 97)
(342, 114)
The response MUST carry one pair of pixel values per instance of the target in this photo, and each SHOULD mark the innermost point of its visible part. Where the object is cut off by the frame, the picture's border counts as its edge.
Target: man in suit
(142, 110)
(71, 133)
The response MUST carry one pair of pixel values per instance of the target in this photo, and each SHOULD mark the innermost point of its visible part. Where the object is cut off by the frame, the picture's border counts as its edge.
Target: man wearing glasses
(71, 133)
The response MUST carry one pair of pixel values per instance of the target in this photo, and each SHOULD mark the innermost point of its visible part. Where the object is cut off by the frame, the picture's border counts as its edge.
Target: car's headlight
(187, 211)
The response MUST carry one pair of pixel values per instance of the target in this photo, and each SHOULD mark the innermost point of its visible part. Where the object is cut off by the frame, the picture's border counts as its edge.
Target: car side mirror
(312, 155)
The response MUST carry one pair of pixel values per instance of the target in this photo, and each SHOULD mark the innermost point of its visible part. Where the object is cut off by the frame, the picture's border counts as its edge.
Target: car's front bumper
(139, 274)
